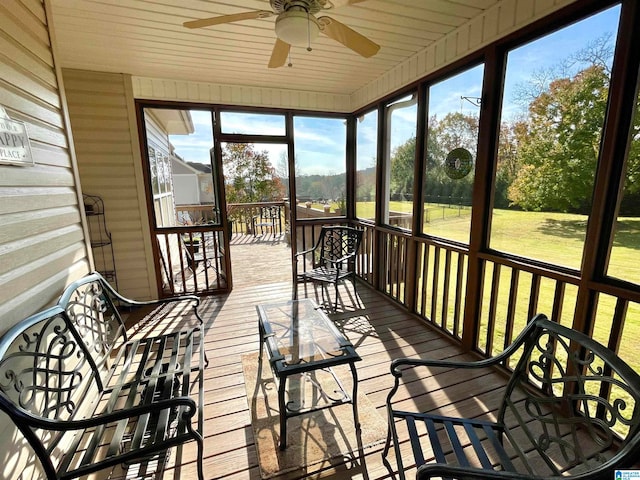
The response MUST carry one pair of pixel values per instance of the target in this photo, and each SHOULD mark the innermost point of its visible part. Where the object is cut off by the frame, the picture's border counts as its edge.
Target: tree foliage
(321, 188)
(454, 130)
(558, 144)
(402, 163)
(249, 175)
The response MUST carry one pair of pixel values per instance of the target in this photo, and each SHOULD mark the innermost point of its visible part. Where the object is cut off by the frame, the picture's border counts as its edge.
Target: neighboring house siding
(42, 245)
(186, 189)
(106, 140)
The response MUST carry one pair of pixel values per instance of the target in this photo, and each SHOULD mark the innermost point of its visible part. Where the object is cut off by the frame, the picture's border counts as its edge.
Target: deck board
(380, 329)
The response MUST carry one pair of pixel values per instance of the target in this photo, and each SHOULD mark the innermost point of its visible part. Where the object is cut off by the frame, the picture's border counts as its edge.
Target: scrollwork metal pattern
(585, 405)
(96, 321)
(44, 371)
(337, 244)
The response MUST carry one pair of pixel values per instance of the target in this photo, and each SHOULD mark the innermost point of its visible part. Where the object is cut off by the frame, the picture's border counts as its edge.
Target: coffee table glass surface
(298, 332)
(299, 338)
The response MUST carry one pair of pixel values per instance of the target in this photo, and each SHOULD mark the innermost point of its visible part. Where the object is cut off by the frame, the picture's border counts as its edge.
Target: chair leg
(393, 437)
(355, 290)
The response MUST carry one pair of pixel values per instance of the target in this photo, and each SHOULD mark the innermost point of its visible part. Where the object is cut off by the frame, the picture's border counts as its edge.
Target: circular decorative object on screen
(458, 163)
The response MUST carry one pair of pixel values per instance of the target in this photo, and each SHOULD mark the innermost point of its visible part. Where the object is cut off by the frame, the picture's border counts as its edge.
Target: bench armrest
(95, 276)
(139, 303)
(97, 420)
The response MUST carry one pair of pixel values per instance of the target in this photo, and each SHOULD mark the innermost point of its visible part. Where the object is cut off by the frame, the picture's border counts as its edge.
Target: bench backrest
(590, 403)
(55, 364)
(89, 304)
(45, 369)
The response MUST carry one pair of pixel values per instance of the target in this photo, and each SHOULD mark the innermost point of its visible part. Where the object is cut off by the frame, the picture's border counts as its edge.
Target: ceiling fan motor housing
(311, 6)
(296, 24)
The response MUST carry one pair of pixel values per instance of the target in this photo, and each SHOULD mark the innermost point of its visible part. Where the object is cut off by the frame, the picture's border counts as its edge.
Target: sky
(320, 142)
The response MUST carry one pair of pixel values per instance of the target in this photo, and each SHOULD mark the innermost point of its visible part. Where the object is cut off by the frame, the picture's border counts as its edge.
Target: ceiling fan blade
(207, 22)
(348, 37)
(279, 54)
(331, 4)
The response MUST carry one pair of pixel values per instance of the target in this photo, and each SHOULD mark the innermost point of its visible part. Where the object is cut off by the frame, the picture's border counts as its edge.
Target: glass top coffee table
(299, 338)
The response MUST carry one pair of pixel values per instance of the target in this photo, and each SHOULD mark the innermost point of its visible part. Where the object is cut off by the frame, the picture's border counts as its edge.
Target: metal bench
(87, 397)
(571, 407)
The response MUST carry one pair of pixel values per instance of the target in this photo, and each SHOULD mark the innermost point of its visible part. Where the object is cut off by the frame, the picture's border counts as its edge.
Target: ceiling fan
(296, 24)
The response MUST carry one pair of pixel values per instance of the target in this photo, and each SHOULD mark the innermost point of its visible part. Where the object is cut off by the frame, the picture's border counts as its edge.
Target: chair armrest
(345, 258)
(396, 364)
(299, 254)
(487, 362)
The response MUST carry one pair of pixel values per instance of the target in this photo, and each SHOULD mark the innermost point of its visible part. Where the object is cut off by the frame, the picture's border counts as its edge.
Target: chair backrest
(590, 406)
(270, 213)
(337, 246)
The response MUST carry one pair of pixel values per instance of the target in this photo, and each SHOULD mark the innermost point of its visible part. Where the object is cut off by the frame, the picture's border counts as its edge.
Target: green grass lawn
(556, 238)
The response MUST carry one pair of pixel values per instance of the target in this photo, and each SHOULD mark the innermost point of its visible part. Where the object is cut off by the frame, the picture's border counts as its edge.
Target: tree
(455, 130)
(558, 145)
(508, 163)
(249, 175)
(402, 162)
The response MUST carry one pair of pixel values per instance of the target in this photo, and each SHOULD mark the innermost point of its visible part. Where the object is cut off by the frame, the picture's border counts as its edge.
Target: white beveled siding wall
(497, 22)
(500, 20)
(106, 140)
(42, 241)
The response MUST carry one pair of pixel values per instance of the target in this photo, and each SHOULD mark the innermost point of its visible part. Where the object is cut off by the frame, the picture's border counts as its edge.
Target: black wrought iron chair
(570, 408)
(332, 258)
(269, 218)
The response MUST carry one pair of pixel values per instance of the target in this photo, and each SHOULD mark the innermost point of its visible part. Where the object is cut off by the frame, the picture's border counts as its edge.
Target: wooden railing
(240, 215)
(192, 260)
(430, 278)
(441, 273)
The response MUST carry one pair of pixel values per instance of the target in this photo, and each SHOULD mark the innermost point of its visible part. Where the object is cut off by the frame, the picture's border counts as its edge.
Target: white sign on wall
(15, 148)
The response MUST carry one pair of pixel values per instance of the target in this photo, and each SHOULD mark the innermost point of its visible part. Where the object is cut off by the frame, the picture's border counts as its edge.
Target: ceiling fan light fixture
(297, 27)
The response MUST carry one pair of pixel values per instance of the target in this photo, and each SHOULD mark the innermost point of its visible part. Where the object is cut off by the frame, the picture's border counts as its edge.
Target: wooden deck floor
(380, 331)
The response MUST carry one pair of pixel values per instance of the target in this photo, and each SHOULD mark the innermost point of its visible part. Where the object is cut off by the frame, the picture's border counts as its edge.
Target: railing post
(410, 274)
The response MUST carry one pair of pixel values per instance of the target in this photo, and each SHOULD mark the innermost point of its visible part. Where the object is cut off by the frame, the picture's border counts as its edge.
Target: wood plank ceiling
(147, 38)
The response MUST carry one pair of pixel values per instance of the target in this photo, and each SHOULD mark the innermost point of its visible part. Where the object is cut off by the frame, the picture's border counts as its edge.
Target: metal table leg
(354, 398)
(283, 412)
